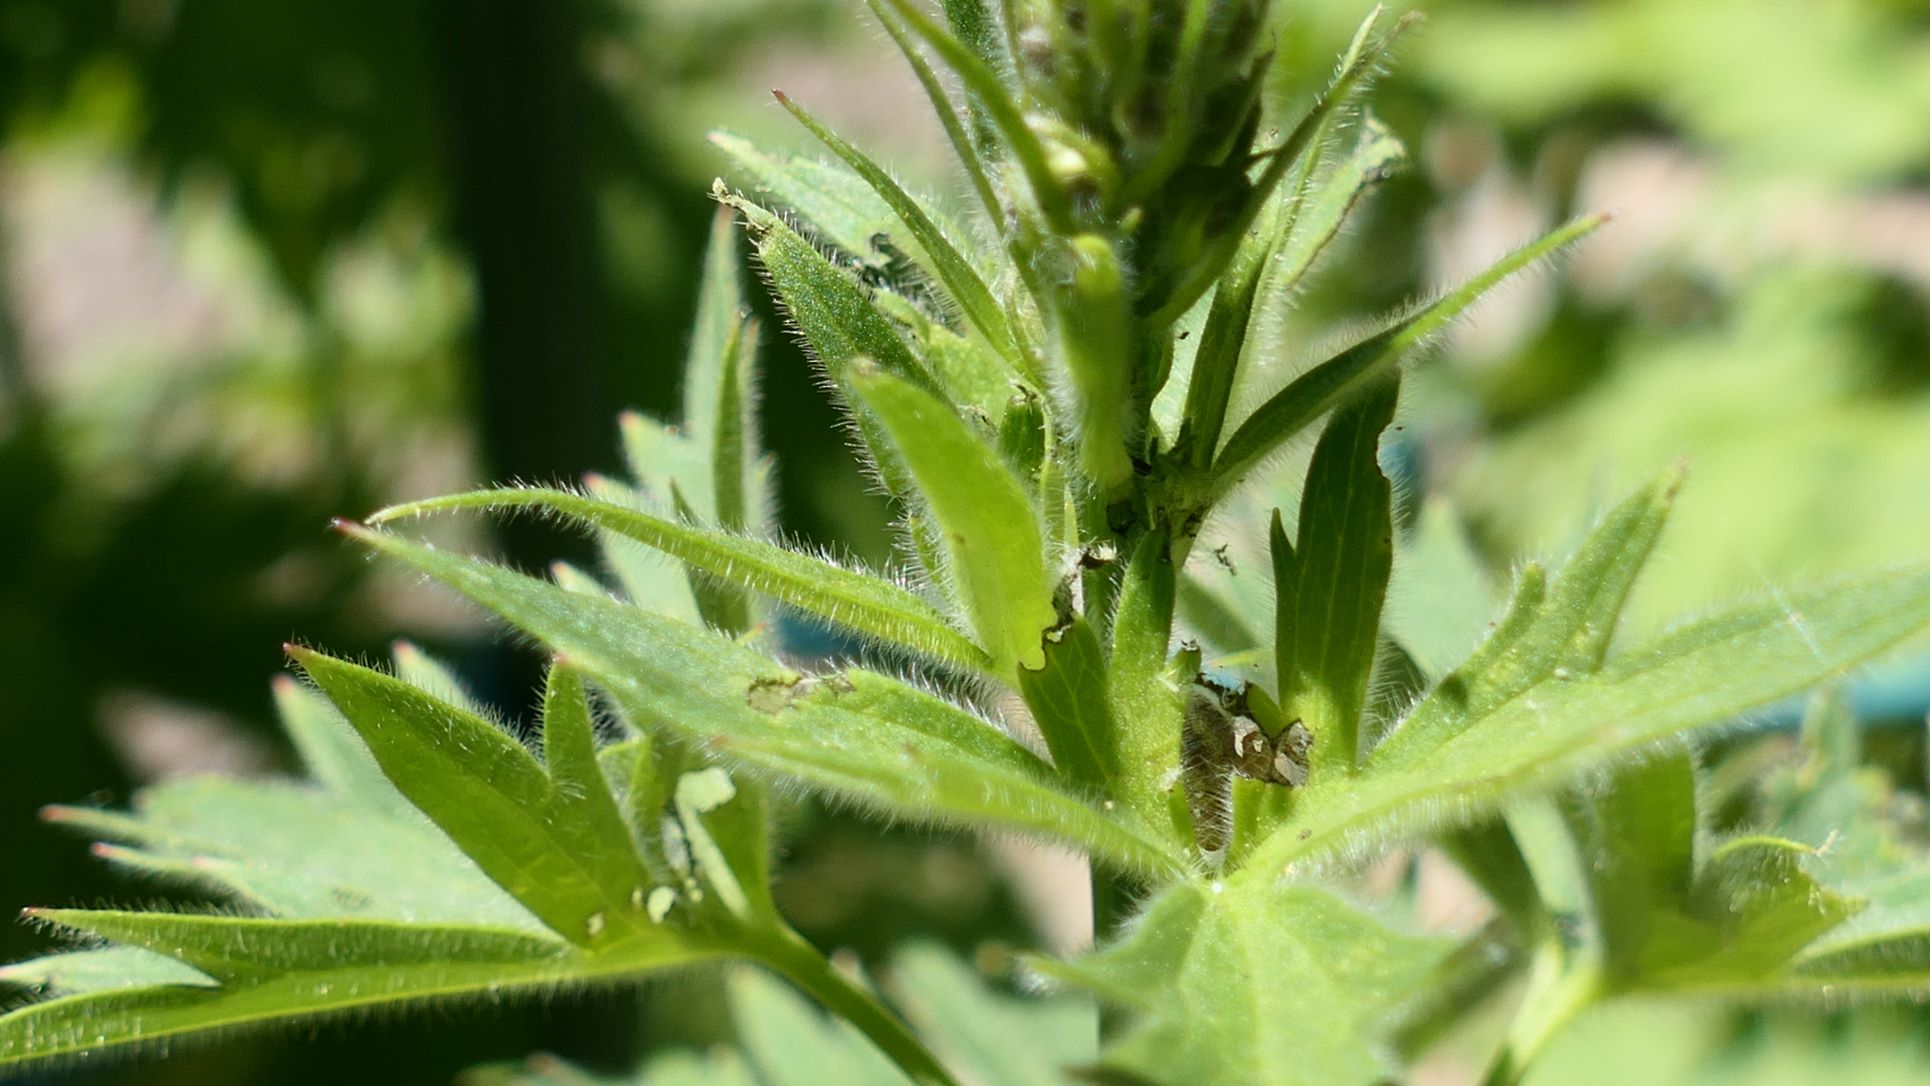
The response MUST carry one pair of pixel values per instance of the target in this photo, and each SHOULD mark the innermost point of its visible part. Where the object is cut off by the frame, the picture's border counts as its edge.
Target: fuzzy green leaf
(855, 734)
(1143, 689)
(1869, 848)
(1563, 636)
(948, 119)
(333, 753)
(1752, 909)
(989, 92)
(1344, 376)
(1067, 696)
(1256, 982)
(1325, 208)
(841, 320)
(1093, 326)
(967, 289)
(278, 972)
(1268, 270)
(434, 678)
(864, 602)
(733, 443)
(1355, 74)
(1703, 674)
(720, 317)
(105, 969)
(833, 311)
(564, 855)
(832, 204)
(234, 950)
(1330, 589)
(357, 850)
(988, 527)
(1636, 834)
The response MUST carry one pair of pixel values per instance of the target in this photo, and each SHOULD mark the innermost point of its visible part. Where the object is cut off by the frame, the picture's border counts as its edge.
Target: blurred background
(266, 263)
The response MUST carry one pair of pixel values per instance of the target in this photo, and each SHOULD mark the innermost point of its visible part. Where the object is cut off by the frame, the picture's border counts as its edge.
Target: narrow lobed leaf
(1704, 674)
(1067, 696)
(985, 87)
(1331, 587)
(1346, 375)
(987, 526)
(1563, 636)
(966, 287)
(855, 734)
(1254, 981)
(492, 798)
(284, 972)
(1142, 684)
(721, 312)
(864, 602)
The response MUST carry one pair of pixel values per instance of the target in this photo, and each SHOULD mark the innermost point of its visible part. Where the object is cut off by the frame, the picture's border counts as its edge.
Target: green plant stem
(1559, 988)
(800, 963)
(1111, 898)
(1466, 981)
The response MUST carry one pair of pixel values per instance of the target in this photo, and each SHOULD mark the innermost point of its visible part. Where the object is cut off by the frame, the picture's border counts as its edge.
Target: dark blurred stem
(520, 110)
(17, 396)
(1111, 905)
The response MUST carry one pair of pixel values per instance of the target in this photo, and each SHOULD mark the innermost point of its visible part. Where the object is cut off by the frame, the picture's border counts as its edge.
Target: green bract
(1053, 390)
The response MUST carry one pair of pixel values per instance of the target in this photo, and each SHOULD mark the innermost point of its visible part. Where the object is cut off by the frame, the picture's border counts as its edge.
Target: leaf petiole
(799, 962)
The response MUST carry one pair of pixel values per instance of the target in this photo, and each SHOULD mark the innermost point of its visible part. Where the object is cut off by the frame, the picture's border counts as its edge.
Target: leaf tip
(1670, 483)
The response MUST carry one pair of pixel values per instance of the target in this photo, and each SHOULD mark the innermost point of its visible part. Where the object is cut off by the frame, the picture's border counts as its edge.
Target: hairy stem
(1559, 988)
(801, 964)
(1111, 904)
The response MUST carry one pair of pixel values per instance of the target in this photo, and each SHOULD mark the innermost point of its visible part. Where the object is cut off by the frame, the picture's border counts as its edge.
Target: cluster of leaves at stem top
(1047, 391)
